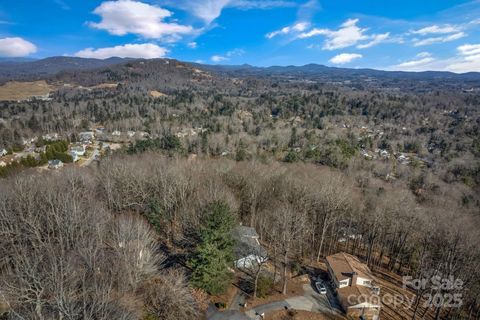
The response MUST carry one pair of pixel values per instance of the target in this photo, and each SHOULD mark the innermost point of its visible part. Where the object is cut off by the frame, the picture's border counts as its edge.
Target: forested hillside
(382, 166)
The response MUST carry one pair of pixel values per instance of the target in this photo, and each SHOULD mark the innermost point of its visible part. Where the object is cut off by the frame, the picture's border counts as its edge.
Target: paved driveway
(228, 315)
(93, 156)
(311, 301)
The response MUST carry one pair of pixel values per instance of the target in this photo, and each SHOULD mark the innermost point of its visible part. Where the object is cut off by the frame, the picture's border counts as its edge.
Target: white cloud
(192, 45)
(347, 35)
(16, 47)
(235, 52)
(209, 10)
(435, 29)
(218, 58)
(306, 11)
(469, 49)
(469, 64)
(421, 59)
(145, 50)
(471, 59)
(467, 60)
(126, 16)
(376, 39)
(297, 27)
(230, 54)
(440, 33)
(261, 4)
(424, 54)
(62, 4)
(345, 58)
(314, 32)
(432, 40)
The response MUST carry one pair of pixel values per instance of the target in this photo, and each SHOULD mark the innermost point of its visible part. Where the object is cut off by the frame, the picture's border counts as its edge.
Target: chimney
(354, 279)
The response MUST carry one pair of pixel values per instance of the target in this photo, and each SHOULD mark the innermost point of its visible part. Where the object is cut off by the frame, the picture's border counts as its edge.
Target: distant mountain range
(24, 69)
(16, 60)
(316, 69)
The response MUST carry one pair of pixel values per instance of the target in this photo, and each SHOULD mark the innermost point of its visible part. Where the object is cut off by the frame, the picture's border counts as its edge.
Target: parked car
(320, 287)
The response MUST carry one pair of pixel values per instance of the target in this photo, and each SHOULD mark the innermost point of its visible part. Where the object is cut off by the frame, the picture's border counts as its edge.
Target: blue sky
(412, 35)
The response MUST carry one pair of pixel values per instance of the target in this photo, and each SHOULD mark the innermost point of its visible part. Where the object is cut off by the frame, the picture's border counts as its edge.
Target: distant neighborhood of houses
(100, 139)
(53, 150)
(82, 148)
(403, 158)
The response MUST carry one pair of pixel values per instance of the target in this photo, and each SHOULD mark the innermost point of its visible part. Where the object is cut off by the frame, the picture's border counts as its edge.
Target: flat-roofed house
(353, 282)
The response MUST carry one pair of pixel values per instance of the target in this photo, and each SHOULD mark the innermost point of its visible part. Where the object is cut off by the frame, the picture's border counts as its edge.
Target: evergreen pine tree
(213, 257)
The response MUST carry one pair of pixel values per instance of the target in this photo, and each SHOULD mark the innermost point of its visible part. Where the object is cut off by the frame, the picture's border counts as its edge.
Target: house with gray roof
(55, 164)
(248, 250)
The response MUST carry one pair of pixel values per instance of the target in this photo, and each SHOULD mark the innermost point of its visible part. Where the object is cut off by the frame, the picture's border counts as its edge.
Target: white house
(365, 154)
(50, 137)
(384, 154)
(3, 164)
(55, 164)
(79, 150)
(26, 141)
(74, 156)
(403, 159)
(3, 152)
(40, 149)
(248, 251)
(116, 133)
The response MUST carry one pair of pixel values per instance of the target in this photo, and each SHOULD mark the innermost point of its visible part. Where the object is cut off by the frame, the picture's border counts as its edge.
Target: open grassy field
(14, 90)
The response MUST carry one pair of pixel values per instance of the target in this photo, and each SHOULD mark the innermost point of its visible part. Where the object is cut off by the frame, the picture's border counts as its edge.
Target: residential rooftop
(344, 265)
